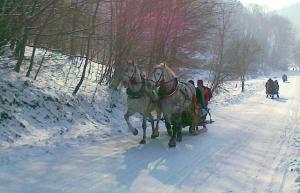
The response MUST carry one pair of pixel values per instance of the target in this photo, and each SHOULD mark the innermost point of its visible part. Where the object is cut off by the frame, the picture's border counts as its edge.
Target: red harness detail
(162, 82)
(133, 81)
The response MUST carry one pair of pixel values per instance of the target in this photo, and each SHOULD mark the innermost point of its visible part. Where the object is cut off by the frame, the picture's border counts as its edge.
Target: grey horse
(141, 99)
(178, 102)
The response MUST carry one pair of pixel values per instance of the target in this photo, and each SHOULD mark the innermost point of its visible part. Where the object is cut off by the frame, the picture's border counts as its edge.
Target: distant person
(276, 88)
(284, 78)
(270, 88)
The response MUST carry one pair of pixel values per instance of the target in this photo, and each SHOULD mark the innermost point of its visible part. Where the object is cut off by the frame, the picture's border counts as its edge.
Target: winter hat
(192, 82)
(200, 82)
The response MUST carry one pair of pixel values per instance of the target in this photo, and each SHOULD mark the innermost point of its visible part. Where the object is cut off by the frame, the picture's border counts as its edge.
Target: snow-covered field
(53, 142)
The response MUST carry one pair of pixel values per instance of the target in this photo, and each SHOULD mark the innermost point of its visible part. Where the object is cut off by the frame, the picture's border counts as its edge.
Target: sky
(271, 4)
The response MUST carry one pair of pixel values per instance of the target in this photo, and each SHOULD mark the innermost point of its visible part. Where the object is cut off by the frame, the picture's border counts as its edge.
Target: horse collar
(174, 89)
(164, 94)
(138, 94)
(133, 81)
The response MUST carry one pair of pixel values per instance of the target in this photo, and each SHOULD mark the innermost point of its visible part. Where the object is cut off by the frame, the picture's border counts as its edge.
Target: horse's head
(131, 71)
(157, 75)
(133, 75)
(161, 74)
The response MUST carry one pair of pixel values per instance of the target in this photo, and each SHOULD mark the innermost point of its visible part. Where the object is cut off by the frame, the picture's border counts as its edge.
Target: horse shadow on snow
(155, 161)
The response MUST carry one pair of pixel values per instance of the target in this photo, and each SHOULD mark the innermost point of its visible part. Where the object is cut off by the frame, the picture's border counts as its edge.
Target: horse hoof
(154, 135)
(172, 143)
(179, 138)
(135, 132)
(193, 131)
(143, 141)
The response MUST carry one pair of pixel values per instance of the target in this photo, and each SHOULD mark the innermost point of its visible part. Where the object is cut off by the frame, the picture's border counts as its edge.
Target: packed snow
(53, 142)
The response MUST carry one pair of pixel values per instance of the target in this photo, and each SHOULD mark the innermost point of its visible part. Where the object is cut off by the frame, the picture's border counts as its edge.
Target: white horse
(141, 99)
(178, 102)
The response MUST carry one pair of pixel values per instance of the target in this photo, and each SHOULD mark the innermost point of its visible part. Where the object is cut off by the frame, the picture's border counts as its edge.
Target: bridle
(132, 78)
(161, 80)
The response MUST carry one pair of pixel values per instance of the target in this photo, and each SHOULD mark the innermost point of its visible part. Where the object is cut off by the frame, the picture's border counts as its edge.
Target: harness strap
(163, 93)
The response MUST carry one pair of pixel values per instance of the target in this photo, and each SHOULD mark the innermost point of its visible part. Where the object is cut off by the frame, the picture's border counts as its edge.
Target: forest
(222, 36)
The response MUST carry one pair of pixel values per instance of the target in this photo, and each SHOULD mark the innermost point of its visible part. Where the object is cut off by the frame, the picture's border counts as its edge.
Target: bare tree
(89, 39)
(225, 13)
(244, 53)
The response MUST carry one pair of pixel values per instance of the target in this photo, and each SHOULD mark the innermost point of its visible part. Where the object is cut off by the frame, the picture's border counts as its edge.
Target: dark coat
(200, 97)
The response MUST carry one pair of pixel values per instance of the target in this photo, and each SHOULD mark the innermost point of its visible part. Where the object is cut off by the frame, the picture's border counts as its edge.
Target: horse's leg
(158, 119)
(179, 131)
(194, 124)
(158, 116)
(192, 129)
(131, 128)
(168, 126)
(172, 141)
(144, 125)
(155, 132)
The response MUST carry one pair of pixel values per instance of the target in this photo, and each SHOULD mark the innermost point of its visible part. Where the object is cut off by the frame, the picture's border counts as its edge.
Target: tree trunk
(41, 64)
(36, 40)
(31, 60)
(87, 51)
(74, 26)
(243, 83)
(22, 47)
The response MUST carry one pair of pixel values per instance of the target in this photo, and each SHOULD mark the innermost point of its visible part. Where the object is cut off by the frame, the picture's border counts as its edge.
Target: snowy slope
(43, 110)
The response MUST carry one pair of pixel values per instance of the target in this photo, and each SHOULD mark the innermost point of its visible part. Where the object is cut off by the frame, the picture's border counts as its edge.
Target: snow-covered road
(247, 149)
